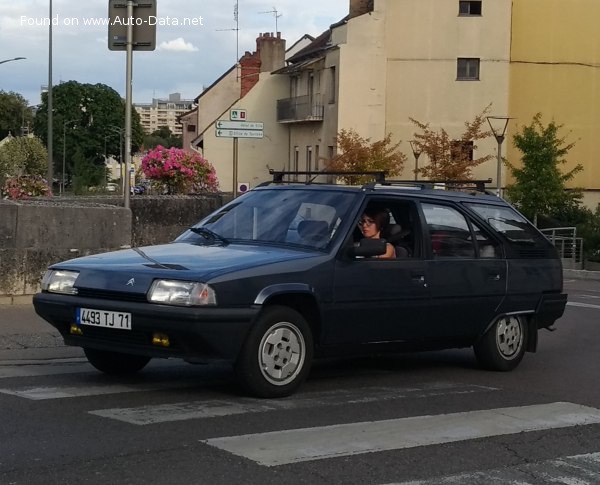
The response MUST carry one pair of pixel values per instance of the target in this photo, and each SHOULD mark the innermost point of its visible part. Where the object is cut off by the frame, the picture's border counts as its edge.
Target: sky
(187, 58)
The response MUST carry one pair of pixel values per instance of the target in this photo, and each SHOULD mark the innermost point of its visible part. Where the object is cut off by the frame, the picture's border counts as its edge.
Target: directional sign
(239, 133)
(240, 125)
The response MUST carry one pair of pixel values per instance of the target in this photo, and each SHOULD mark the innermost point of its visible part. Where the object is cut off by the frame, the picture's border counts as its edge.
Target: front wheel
(503, 345)
(115, 363)
(277, 354)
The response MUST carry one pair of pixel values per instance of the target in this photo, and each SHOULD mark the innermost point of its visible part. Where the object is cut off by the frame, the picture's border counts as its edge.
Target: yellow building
(555, 70)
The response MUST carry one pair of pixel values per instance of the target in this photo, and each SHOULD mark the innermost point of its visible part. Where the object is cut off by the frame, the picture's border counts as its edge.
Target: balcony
(299, 109)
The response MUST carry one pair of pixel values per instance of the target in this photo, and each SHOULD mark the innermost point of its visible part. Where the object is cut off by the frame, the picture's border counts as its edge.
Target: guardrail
(568, 245)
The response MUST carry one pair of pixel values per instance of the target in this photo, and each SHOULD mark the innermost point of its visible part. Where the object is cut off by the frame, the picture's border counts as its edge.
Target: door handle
(494, 276)
(419, 279)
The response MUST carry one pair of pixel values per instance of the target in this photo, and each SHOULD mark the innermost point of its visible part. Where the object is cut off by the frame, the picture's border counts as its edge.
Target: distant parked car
(138, 189)
(112, 187)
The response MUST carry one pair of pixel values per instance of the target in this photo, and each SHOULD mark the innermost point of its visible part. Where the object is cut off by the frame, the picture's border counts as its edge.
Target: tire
(277, 354)
(114, 363)
(502, 347)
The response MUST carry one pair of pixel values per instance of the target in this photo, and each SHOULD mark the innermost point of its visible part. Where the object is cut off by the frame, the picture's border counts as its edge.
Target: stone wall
(35, 234)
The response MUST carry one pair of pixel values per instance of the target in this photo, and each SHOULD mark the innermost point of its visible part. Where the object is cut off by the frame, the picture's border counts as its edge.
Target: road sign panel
(238, 133)
(144, 25)
(237, 114)
(240, 125)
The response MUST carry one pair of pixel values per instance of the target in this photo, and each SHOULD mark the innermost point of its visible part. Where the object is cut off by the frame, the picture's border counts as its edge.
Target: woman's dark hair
(380, 215)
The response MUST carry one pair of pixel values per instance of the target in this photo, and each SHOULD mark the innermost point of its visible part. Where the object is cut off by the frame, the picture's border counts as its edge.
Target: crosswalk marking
(44, 369)
(153, 414)
(569, 470)
(298, 445)
(583, 305)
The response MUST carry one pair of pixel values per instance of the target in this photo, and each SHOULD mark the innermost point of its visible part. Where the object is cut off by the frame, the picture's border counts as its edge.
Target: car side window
(449, 232)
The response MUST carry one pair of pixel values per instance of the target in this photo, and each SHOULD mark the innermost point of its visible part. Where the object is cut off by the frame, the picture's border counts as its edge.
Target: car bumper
(550, 308)
(195, 334)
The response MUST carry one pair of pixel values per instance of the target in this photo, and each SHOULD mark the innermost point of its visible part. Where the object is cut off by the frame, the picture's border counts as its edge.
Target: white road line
(153, 414)
(44, 369)
(298, 445)
(569, 470)
(583, 305)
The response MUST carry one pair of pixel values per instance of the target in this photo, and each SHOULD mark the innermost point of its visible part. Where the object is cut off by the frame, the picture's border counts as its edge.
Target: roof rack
(278, 175)
(477, 185)
(379, 179)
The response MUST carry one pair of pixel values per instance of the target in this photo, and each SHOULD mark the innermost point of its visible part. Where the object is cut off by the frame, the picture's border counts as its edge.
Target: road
(415, 418)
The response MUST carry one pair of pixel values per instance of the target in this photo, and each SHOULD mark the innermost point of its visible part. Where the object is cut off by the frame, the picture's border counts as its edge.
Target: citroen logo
(131, 282)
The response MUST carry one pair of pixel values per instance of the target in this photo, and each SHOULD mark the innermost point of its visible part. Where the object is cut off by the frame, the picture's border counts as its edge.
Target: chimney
(249, 71)
(271, 50)
(360, 7)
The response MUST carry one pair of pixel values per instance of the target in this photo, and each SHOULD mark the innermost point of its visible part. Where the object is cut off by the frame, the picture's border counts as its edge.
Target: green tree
(22, 156)
(539, 186)
(86, 118)
(14, 113)
(163, 137)
(358, 154)
(451, 158)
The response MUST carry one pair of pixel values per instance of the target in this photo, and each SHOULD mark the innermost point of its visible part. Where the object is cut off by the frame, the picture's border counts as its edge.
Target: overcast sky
(186, 59)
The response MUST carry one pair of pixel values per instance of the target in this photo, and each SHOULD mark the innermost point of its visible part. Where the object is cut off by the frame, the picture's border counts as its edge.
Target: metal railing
(568, 245)
(300, 108)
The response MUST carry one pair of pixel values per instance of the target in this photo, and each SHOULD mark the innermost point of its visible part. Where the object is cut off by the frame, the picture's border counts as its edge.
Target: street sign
(240, 125)
(226, 133)
(143, 23)
(237, 114)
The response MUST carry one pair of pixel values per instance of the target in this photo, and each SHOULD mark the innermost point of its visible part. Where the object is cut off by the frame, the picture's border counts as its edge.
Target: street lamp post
(50, 169)
(13, 59)
(62, 184)
(416, 153)
(498, 124)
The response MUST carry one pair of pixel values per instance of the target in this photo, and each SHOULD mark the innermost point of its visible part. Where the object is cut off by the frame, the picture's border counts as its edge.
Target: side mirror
(367, 248)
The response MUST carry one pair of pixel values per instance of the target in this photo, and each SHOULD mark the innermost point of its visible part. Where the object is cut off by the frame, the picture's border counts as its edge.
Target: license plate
(103, 318)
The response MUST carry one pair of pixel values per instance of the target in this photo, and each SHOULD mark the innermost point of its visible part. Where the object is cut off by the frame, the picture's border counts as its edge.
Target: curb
(581, 274)
(16, 300)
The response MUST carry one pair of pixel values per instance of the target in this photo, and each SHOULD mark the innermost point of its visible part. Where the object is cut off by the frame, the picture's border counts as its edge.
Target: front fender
(282, 288)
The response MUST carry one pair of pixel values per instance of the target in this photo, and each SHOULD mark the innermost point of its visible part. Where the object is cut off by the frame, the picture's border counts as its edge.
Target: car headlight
(182, 293)
(60, 281)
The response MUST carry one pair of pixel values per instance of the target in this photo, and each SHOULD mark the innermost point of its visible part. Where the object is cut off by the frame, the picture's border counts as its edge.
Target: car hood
(133, 270)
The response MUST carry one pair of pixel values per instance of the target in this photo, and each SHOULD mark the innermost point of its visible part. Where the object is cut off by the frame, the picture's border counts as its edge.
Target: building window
(308, 160)
(469, 8)
(461, 150)
(296, 160)
(191, 128)
(467, 69)
(317, 158)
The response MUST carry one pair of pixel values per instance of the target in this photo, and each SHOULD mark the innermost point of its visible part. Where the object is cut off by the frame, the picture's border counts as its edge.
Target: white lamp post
(498, 124)
(13, 59)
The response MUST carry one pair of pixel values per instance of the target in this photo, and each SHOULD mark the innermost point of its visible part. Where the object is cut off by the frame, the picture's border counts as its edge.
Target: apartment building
(163, 113)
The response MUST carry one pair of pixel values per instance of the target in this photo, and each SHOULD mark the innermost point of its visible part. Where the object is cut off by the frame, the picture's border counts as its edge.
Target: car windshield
(301, 217)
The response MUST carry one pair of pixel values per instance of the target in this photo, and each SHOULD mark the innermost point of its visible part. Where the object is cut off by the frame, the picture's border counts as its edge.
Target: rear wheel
(503, 345)
(115, 363)
(277, 354)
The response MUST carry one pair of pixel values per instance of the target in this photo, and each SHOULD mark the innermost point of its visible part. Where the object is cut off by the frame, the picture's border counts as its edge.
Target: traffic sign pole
(235, 167)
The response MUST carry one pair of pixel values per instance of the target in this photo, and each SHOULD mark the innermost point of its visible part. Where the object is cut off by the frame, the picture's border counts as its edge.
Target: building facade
(163, 113)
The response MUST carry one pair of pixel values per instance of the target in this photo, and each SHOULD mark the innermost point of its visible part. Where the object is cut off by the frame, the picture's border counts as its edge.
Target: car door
(378, 300)
(466, 269)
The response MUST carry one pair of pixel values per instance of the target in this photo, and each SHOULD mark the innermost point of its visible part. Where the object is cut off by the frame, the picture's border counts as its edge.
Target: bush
(25, 187)
(180, 172)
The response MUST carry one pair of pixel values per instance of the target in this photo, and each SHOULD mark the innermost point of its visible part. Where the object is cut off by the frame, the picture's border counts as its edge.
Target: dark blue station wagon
(282, 275)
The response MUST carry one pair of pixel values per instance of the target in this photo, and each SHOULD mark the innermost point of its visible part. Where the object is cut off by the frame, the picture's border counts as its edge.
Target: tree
(358, 154)
(87, 117)
(22, 156)
(163, 137)
(451, 158)
(14, 113)
(539, 186)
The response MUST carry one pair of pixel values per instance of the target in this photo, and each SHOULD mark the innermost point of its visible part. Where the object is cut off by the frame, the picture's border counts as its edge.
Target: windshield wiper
(210, 235)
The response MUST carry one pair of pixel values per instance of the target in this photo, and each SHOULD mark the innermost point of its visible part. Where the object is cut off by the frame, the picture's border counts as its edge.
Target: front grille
(112, 295)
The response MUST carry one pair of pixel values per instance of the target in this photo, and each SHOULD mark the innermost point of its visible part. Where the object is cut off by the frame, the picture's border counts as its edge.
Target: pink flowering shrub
(25, 187)
(179, 171)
